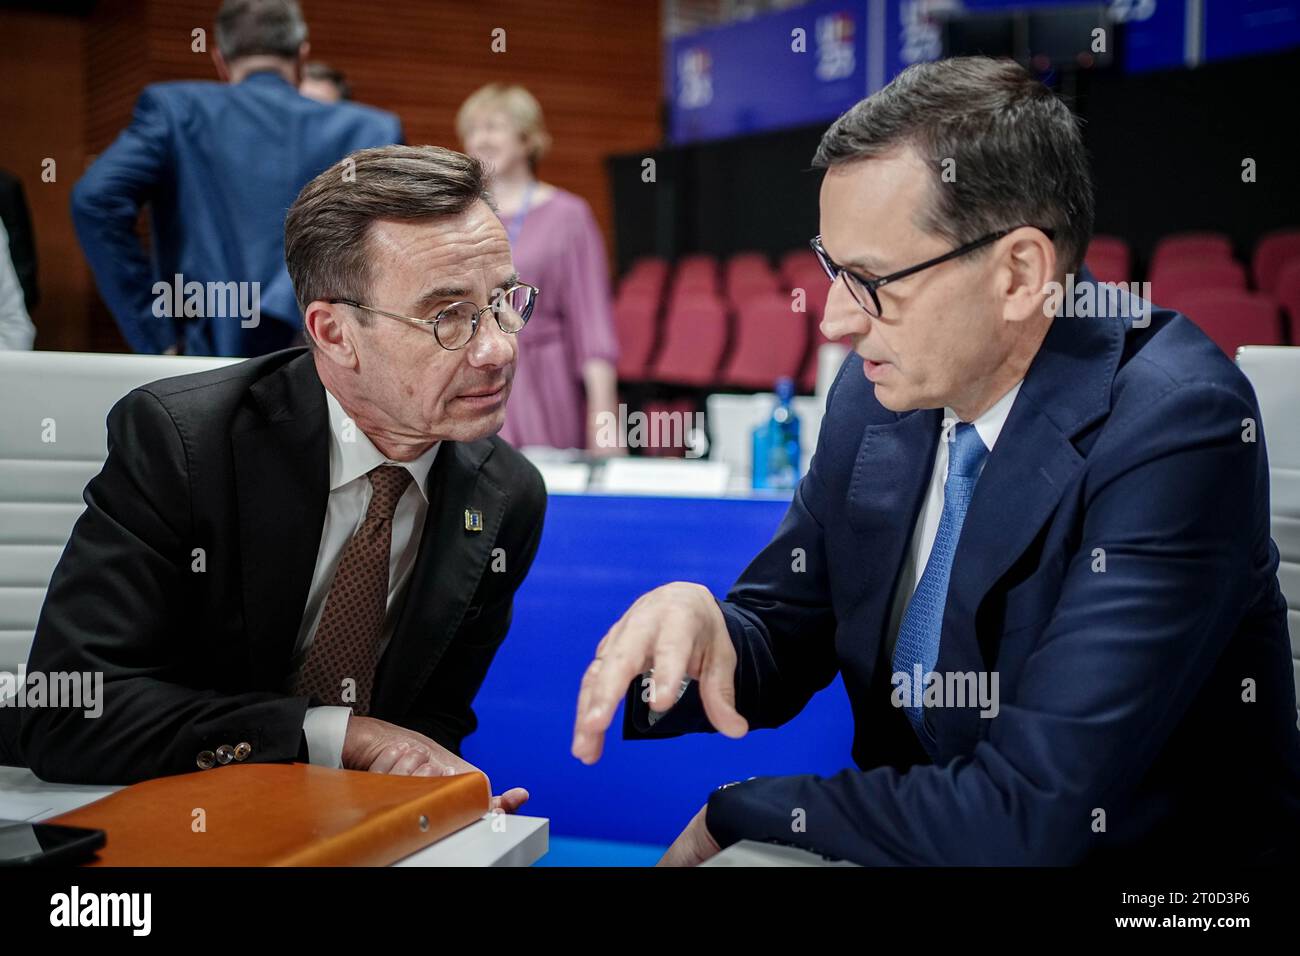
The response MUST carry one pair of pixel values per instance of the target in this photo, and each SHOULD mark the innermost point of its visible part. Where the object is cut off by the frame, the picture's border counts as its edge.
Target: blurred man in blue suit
(220, 164)
(1034, 538)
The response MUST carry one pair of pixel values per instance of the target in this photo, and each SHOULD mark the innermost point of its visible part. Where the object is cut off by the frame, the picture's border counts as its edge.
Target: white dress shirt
(352, 457)
(989, 427)
(16, 329)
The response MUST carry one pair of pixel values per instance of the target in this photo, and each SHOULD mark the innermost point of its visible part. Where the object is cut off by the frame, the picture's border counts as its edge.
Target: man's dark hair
(253, 27)
(327, 229)
(316, 70)
(1018, 157)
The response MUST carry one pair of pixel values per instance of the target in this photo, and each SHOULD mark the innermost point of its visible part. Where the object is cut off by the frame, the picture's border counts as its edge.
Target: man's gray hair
(1013, 147)
(266, 27)
(327, 230)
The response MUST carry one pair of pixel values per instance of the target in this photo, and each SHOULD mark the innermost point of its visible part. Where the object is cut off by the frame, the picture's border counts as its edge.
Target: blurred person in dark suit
(1034, 539)
(218, 163)
(322, 82)
(17, 221)
(313, 554)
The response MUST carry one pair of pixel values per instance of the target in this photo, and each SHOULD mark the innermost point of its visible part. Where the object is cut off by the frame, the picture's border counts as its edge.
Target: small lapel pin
(473, 520)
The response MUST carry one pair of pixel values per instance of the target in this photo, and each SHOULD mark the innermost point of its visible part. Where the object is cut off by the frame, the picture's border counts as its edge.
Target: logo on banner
(695, 73)
(921, 31)
(836, 57)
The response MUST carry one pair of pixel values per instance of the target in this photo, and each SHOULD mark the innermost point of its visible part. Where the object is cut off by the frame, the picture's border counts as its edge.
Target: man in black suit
(312, 555)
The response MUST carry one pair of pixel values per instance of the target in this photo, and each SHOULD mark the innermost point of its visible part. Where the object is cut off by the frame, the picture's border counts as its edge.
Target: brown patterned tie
(352, 623)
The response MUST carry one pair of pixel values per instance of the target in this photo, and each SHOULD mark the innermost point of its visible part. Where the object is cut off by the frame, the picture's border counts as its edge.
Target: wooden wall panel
(42, 109)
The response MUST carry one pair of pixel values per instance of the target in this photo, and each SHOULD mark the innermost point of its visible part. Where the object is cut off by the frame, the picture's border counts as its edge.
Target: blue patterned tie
(918, 635)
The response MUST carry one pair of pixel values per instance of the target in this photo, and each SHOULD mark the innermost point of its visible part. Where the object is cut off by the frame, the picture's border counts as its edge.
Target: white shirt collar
(989, 425)
(352, 459)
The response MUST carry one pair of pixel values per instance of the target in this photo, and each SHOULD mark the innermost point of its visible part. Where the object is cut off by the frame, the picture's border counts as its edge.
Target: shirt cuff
(325, 729)
(652, 716)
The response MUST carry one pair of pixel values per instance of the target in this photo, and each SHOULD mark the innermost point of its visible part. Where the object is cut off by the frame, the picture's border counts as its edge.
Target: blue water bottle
(776, 443)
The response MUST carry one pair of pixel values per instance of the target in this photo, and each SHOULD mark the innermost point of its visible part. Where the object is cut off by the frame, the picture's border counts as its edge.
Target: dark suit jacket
(1121, 690)
(220, 164)
(236, 461)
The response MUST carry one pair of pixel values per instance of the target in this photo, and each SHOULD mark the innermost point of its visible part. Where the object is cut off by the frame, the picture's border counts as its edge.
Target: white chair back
(53, 407)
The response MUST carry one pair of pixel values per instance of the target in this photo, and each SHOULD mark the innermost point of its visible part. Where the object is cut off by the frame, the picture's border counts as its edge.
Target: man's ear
(304, 52)
(1028, 266)
(219, 61)
(326, 325)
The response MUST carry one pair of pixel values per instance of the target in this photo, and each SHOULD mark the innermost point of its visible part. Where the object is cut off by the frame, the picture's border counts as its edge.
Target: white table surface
(503, 840)
(753, 853)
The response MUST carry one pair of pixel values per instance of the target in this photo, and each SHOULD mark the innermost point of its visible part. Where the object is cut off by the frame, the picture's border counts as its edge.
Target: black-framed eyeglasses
(455, 324)
(863, 290)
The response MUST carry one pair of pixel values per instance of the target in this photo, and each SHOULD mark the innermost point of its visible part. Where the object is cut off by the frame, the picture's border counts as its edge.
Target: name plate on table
(663, 476)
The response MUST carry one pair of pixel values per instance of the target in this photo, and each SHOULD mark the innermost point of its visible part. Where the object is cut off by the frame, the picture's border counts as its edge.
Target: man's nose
(843, 316)
(490, 347)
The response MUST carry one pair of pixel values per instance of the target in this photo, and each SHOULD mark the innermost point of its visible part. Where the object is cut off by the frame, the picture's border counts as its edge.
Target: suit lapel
(1020, 487)
(1066, 389)
(282, 486)
(890, 477)
(447, 571)
(891, 472)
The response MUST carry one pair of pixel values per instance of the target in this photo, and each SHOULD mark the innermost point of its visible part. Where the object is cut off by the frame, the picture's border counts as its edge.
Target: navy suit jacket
(1115, 570)
(220, 164)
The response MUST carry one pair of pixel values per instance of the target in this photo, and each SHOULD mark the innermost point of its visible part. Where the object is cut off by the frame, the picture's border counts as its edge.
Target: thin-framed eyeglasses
(863, 289)
(455, 324)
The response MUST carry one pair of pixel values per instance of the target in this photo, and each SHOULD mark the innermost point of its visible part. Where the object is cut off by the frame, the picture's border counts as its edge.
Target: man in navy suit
(1033, 540)
(220, 164)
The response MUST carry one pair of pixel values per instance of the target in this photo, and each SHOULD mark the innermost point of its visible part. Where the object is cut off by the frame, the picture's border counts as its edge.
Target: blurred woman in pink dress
(565, 375)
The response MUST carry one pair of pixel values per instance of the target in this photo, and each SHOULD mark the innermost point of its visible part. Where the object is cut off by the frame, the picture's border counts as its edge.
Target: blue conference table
(598, 553)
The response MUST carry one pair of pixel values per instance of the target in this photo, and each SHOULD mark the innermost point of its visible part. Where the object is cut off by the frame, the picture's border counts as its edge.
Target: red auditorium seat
(1231, 317)
(770, 343)
(639, 286)
(746, 283)
(636, 319)
(693, 259)
(699, 264)
(1175, 278)
(808, 377)
(1274, 251)
(1106, 245)
(816, 288)
(686, 297)
(696, 274)
(696, 283)
(1109, 259)
(749, 260)
(1287, 292)
(795, 261)
(1108, 268)
(749, 264)
(649, 267)
(741, 292)
(695, 335)
(1190, 246)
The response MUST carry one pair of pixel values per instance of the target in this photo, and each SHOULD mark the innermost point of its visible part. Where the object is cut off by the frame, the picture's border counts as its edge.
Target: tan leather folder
(279, 815)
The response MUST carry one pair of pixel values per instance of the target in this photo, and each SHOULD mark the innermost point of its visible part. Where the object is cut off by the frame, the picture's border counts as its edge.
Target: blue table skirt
(597, 555)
